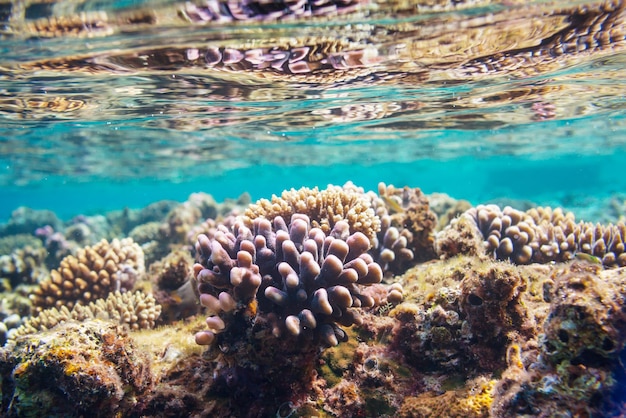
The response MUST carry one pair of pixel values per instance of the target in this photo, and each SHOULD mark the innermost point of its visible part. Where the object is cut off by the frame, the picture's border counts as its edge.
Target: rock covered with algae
(76, 369)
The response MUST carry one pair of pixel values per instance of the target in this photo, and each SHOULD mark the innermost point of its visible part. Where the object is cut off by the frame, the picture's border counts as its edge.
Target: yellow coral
(481, 398)
(137, 310)
(473, 400)
(324, 207)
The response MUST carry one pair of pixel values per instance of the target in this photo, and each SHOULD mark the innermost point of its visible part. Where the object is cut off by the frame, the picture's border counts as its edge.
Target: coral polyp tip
(204, 338)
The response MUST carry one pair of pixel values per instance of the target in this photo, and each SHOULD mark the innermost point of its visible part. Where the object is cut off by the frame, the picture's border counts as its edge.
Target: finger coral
(323, 207)
(92, 274)
(137, 310)
(301, 281)
(538, 235)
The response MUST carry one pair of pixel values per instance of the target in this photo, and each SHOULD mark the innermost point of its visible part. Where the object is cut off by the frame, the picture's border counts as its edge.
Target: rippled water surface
(481, 99)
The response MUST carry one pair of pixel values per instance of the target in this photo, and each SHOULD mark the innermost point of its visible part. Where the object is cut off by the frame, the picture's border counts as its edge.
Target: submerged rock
(76, 369)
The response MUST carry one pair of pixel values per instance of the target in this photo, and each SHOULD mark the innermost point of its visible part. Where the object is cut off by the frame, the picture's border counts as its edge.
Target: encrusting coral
(539, 235)
(576, 363)
(136, 310)
(92, 274)
(462, 317)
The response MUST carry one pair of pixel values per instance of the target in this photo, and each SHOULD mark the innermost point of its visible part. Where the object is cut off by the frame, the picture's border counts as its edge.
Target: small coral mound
(11, 243)
(77, 369)
(92, 274)
(180, 219)
(539, 235)
(324, 207)
(25, 220)
(24, 265)
(407, 229)
(175, 291)
(137, 310)
(301, 281)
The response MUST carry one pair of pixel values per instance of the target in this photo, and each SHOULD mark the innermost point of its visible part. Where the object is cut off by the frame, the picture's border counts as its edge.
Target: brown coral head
(92, 274)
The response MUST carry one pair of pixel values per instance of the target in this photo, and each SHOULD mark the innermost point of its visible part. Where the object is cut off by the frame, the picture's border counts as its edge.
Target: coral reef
(25, 220)
(24, 265)
(56, 244)
(135, 310)
(88, 230)
(291, 316)
(181, 225)
(14, 310)
(324, 207)
(123, 221)
(91, 274)
(539, 235)
(199, 206)
(446, 208)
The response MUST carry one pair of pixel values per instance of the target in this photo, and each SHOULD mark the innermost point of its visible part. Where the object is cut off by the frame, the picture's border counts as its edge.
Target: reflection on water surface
(163, 89)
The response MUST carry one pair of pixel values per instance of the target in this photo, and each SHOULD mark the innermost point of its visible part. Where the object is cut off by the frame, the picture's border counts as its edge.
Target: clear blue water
(100, 118)
(569, 179)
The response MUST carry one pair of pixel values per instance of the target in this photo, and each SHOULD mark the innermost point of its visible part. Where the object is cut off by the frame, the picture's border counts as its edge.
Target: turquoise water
(114, 112)
(571, 180)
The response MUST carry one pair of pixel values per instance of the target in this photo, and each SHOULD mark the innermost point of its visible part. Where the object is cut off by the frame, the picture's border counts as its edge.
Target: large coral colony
(333, 302)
